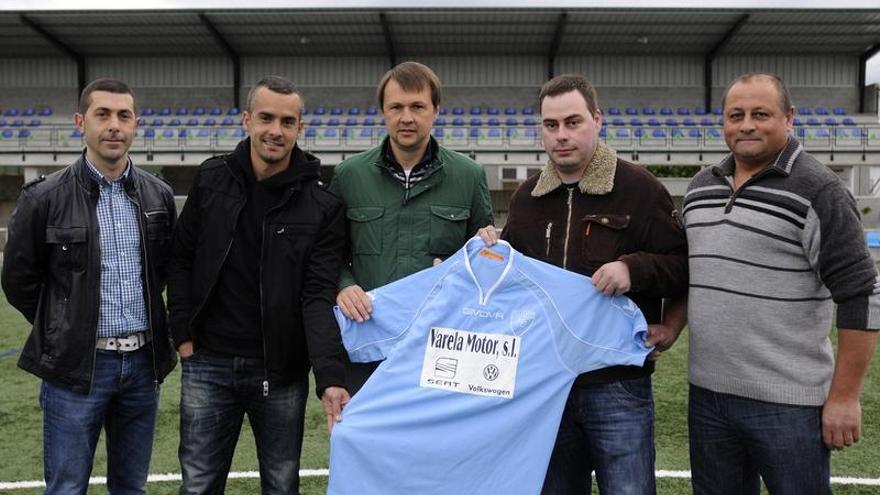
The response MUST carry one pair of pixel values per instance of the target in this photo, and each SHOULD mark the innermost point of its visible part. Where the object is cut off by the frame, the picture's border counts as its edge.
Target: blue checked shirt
(123, 310)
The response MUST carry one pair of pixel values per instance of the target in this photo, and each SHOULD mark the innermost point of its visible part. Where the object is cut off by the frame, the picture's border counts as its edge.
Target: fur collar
(598, 177)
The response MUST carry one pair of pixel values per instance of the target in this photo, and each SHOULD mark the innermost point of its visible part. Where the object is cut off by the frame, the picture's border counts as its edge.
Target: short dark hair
(103, 84)
(275, 84)
(784, 95)
(412, 76)
(566, 83)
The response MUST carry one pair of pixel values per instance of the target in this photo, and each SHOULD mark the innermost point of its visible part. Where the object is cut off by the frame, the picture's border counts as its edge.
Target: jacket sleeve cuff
(859, 313)
(346, 278)
(329, 372)
(636, 273)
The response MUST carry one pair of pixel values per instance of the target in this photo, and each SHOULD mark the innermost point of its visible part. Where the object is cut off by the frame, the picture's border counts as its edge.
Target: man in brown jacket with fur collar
(590, 212)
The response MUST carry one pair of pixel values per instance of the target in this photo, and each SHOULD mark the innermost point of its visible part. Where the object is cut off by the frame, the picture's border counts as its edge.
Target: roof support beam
(713, 54)
(231, 53)
(79, 59)
(389, 40)
(863, 73)
(554, 45)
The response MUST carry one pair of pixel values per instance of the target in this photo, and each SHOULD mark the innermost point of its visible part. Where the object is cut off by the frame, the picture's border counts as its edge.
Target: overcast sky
(873, 73)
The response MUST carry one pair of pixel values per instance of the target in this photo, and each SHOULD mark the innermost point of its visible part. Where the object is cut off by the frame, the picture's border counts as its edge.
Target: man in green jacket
(409, 200)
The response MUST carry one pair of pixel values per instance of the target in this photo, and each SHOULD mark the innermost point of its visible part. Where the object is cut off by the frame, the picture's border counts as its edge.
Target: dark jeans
(216, 392)
(123, 401)
(735, 442)
(607, 428)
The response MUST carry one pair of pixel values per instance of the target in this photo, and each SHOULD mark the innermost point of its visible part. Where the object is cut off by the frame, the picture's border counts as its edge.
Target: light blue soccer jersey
(479, 355)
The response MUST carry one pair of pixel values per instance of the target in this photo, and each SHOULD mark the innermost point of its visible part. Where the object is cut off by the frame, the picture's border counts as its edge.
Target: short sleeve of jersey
(394, 307)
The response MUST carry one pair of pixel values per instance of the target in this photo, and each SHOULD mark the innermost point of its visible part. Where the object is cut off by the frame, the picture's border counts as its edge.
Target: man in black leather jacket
(85, 264)
(257, 253)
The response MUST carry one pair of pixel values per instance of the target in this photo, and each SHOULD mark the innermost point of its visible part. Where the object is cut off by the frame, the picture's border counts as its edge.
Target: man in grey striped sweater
(775, 242)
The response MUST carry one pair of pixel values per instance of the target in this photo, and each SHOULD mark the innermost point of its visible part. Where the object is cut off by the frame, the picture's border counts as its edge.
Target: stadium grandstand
(659, 72)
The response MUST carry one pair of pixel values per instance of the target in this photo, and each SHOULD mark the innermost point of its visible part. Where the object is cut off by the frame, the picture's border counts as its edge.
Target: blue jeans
(607, 428)
(735, 442)
(123, 401)
(216, 392)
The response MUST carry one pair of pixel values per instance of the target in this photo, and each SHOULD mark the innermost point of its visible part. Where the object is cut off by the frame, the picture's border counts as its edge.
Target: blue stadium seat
(630, 111)
(804, 111)
(830, 121)
(7, 134)
(821, 111)
(683, 111)
(227, 121)
(439, 121)
(700, 111)
(457, 111)
(2, 122)
(694, 133)
(797, 121)
(182, 111)
(687, 121)
(510, 111)
(635, 122)
(458, 132)
(443, 111)
(476, 121)
(622, 133)
(369, 121)
(528, 111)
(216, 111)
(192, 122)
(653, 122)
(717, 111)
(603, 132)
(368, 133)
(332, 121)
(34, 123)
(812, 121)
(822, 133)
(659, 133)
(165, 111)
(11, 112)
(24, 134)
(848, 121)
(617, 121)
(336, 111)
(17, 123)
(354, 110)
(474, 132)
(677, 133)
(842, 132)
(372, 111)
(76, 134)
(350, 122)
(839, 111)
(150, 133)
(530, 121)
(707, 122)
(511, 121)
(204, 133)
(492, 111)
(800, 132)
(210, 121)
(183, 133)
(666, 111)
(319, 110)
(168, 134)
(493, 122)
(512, 132)
(28, 112)
(233, 111)
(671, 122)
(316, 121)
(311, 132)
(239, 133)
(157, 122)
(148, 112)
(305, 111)
(714, 133)
(174, 123)
(199, 111)
(494, 133)
(613, 111)
(530, 132)
(46, 112)
(649, 111)
(458, 121)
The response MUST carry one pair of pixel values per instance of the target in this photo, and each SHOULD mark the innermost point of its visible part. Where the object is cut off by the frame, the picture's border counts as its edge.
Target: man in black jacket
(257, 252)
(85, 264)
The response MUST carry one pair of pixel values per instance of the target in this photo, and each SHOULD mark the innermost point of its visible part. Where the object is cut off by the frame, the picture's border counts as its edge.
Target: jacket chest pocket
(365, 223)
(602, 237)
(158, 226)
(67, 247)
(293, 239)
(448, 229)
